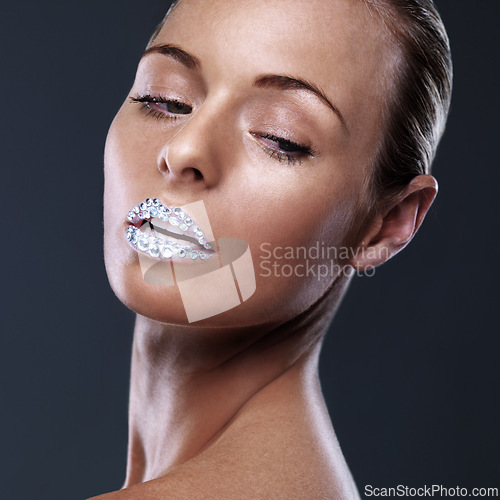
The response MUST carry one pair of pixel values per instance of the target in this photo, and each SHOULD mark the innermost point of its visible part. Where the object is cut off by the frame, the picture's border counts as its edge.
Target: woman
(288, 126)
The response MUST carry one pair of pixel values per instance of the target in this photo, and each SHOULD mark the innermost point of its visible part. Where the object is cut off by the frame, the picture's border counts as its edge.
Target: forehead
(339, 45)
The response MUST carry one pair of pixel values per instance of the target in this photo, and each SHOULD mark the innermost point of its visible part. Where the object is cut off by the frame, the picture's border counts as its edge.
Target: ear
(393, 229)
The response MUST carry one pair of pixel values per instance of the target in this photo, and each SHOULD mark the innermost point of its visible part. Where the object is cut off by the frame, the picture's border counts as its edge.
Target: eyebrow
(284, 82)
(176, 53)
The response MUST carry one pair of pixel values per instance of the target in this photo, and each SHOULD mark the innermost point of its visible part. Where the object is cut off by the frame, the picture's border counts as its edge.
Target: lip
(166, 233)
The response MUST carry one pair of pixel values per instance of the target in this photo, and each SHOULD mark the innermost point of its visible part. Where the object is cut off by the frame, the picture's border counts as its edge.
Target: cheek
(295, 230)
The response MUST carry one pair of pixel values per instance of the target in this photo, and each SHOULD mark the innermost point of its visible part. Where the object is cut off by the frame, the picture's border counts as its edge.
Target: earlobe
(394, 228)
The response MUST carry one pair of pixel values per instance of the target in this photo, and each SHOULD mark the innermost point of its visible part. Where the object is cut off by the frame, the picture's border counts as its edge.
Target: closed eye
(283, 149)
(159, 107)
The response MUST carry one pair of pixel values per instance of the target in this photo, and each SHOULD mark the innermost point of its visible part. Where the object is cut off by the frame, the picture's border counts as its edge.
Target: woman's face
(272, 119)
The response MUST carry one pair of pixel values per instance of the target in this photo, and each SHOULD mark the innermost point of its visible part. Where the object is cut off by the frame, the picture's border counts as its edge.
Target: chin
(274, 301)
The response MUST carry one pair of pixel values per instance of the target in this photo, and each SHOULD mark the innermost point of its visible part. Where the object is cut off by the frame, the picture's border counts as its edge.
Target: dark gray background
(410, 369)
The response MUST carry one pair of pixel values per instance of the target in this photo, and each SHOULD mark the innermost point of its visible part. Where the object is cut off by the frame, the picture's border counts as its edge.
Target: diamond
(136, 209)
(199, 234)
(202, 241)
(193, 254)
(153, 211)
(143, 206)
(173, 221)
(165, 209)
(195, 229)
(167, 251)
(181, 252)
(143, 244)
(154, 251)
(181, 215)
(183, 227)
(149, 202)
(131, 215)
(156, 202)
(188, 222)
(208, 246)
(177, 210)
(203, 255)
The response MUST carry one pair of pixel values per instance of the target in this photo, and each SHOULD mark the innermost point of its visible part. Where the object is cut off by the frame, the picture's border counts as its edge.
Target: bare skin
(231, 407)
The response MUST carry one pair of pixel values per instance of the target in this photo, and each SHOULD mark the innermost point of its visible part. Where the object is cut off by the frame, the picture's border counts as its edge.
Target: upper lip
(172, 221)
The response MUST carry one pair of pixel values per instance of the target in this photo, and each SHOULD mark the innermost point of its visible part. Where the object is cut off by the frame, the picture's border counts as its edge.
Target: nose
(192, 157)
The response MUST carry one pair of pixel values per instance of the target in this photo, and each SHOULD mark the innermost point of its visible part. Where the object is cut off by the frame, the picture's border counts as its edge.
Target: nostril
(197, 174)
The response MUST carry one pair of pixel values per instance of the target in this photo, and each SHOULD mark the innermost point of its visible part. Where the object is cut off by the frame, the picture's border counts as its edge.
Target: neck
(188, 384)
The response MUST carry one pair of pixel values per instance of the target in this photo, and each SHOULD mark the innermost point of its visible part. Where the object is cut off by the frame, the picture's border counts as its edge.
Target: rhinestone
(165, 209)
(167, 251)
(181, 252)
(208, 246)
(149, 202)
(143, 206)
(153, 211)
(188, 222)
(154, 251)
(143, 244)
(199, 234)
(202, 241)
(156, 202)
(136, 209)
(203, 255)
(145, 214)
(177, 210)
(181, 215)
(129, 235)
(164, 217)
(174, 221)
(193, 254)
(133, 238)
(131, 215)
(183, 227)
(195, 229)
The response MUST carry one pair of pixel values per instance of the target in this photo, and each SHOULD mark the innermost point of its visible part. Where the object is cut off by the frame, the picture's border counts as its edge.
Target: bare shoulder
(279, 458)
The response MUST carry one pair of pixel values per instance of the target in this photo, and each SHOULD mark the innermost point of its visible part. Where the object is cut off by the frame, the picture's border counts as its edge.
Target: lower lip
(163, 249)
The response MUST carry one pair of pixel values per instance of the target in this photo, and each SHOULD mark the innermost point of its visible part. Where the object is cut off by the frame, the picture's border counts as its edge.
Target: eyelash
(291, 158)
(282, 156)
(146, 102)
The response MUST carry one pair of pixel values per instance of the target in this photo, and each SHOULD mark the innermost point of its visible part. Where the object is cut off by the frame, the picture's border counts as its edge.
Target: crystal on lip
(149, 202)
(156, 202)
(166, 251)
(174, 221)
(188, 222)
(181, 252)
(154, 251)
(143, 206)
(183, 227)
(143, 244)
(193, 254)
(131, 215)
(202, 255)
